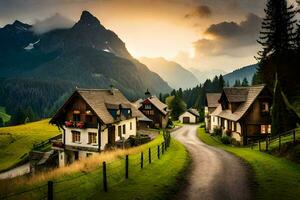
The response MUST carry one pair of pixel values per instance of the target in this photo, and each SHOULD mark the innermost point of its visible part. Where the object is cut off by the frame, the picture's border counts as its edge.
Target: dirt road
(214, 174)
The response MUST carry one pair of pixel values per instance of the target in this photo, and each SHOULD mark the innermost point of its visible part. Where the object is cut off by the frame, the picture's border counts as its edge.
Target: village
(151, 100)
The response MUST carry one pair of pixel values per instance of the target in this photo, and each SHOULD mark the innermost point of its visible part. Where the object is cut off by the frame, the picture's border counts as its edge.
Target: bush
(202, 126)
(217, 131)
(225, 140)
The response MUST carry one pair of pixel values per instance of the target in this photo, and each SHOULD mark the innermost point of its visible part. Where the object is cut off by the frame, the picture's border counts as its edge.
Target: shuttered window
(124, 129)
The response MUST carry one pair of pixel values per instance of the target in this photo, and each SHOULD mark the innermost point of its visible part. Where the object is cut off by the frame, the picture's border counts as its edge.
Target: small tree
(1, 122)
(237, 83)
(245, 82)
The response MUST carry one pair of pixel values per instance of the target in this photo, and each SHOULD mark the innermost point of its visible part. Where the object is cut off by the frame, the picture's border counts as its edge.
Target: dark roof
(100, 100)
(158, 104)
(193, 112)
(251, 92)
(212, 99)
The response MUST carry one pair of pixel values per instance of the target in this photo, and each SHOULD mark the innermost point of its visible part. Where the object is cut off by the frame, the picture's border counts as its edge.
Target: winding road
(214, 174)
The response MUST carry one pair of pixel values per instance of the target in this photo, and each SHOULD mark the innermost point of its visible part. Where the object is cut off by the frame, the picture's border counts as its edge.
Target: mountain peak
(88, 19)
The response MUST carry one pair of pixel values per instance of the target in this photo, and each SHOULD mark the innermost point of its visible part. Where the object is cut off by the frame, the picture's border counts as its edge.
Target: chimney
(148, 94)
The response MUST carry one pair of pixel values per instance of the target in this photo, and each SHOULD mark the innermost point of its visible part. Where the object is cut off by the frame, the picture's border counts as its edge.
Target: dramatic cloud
(229, 38)
(54, 22)
(201, 11)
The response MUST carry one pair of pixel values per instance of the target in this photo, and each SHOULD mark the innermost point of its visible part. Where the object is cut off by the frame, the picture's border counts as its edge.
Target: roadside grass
(83, 179)
(4, 115)
(17, 141)
(275, 178)
(177, 123)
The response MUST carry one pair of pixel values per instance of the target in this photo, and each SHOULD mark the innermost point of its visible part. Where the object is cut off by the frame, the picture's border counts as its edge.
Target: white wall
(83, 137)
(128, 132)
(187, 114)
(214, 123)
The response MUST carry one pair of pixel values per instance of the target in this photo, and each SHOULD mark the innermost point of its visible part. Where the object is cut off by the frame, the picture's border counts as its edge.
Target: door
(111, 135)
(76, 155)
(186, 120)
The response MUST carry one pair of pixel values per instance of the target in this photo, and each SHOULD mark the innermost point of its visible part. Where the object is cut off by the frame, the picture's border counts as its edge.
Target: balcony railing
(80, 125)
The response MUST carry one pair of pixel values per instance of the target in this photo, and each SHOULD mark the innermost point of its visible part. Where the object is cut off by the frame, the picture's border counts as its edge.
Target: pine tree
(277, 40)
(237, 83)
(221, 83)
(245, 82)
(255, 79)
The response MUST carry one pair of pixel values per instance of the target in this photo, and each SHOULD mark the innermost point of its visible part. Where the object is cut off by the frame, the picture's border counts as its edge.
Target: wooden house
(92, 120)
(211, 103)
(191, 116)
(244, 113)
(156, 111)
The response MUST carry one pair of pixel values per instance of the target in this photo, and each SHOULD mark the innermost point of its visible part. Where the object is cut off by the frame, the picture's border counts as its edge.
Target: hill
(38, 70)
(173, 73)
(17, 141)
(240, 74)
(203, 75)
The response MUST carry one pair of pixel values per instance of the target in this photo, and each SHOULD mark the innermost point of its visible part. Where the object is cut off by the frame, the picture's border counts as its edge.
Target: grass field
(275, 178)
(4, 115)
(83, 179)
(17, 141)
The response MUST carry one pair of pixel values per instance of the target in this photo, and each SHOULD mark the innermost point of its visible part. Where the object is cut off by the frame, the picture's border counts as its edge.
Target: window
(119, 131)
(88, 154)
(234, 126)
(76, 117)
(265, 107)
(75, 136)
(124, 129)
(265, 129)
(92, 138)
(148, 106)
(130, 125)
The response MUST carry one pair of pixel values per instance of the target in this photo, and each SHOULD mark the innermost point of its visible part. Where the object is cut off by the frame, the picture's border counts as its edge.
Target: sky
(201, 34)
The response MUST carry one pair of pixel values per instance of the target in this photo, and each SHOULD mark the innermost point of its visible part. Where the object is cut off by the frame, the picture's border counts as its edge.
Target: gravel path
(214, 174)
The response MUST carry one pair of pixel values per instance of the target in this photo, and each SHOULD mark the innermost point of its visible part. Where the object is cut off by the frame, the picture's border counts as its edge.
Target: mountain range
(36, 70)
(173, 73)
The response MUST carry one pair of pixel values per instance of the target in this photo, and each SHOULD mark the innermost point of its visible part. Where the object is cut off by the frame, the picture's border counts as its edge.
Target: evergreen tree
(221, 83)
(284, 118)
(237, 83)
(255, 79)
(160, 97)
(277, 40)
(245, 82)
(176, 105)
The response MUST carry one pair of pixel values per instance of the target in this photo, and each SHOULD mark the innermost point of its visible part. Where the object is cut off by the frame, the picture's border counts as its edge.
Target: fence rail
(268, 140)
(108, 175)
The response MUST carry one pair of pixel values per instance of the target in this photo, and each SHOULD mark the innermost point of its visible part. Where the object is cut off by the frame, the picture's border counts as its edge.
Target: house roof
(141, 116)
(212, 99)
(249, 95)
(158, 104)
(100, 100)
(193, 112)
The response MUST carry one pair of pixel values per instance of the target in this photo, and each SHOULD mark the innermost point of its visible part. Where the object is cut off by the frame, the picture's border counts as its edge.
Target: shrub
(202, 126)
(217, 131)
(225, 140)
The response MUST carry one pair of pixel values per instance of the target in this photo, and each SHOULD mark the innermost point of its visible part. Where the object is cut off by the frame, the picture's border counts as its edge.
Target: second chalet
(243, 113)
(93, 120)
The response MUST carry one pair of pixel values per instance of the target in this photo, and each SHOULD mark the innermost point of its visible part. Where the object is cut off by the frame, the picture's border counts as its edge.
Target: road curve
(214, 174)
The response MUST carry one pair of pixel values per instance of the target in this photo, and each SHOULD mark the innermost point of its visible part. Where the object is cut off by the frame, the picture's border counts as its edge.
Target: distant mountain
(240, 74)
(175, 75)
(85, 55)
(203, 75)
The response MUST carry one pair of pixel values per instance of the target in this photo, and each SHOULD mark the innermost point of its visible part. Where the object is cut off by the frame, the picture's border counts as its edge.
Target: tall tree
(277, 40)
(237, 83)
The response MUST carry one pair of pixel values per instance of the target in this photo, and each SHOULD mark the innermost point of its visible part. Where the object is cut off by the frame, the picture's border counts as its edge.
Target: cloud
(201, 11)
(51, 23)
(229, 38)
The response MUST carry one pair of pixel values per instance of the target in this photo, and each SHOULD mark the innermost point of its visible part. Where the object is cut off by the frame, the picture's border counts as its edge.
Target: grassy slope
(13, 147)
(275, 178)
(3, 114)
(159, 180)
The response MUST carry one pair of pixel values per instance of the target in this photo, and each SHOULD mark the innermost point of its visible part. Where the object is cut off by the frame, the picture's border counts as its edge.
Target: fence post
(294, 135)
(166, 146)
(267, 144)
(149, 154)
(162, 148)
(126, 167)
(104, 177)
(142, 160)
(50, 190)
(259, 146)
(158, 151)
